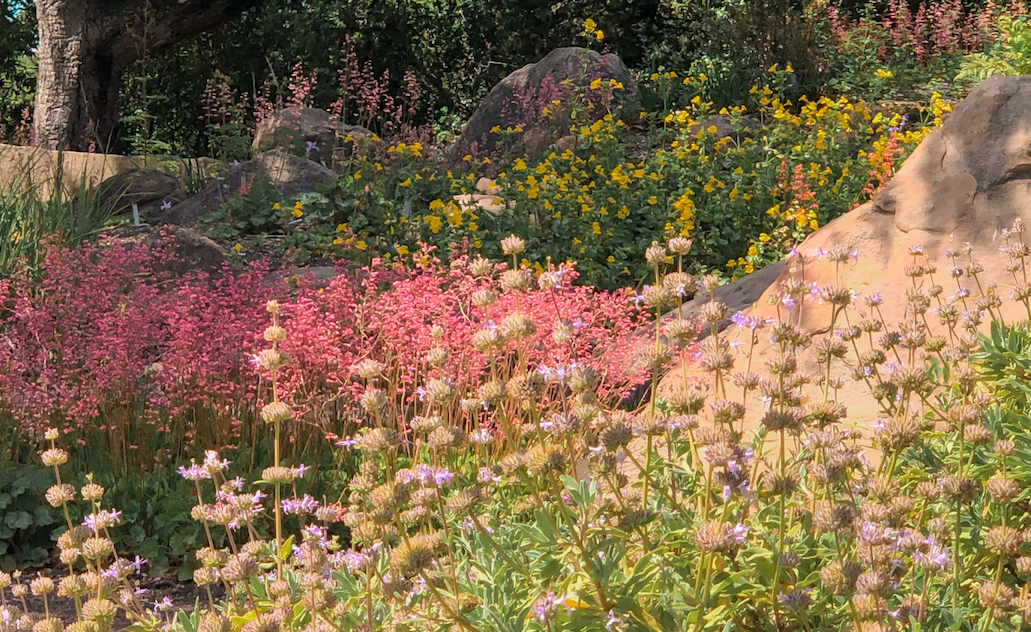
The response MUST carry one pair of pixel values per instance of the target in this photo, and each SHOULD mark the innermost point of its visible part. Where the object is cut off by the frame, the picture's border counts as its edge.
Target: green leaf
(18, 519)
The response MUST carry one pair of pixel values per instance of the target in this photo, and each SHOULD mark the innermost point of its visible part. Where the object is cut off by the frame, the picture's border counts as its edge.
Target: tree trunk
(84, 46)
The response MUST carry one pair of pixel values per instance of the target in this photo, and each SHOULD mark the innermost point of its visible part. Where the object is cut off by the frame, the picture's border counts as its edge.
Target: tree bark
(86, 45)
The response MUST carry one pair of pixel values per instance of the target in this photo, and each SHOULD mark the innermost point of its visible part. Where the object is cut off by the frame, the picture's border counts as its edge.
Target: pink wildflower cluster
(367, 99)
(103, 341)
(106, 346)
(935, 27)
(429, 309)
(301, 86)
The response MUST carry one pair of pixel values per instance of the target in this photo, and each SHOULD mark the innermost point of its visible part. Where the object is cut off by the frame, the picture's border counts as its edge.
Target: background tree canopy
(457, 50)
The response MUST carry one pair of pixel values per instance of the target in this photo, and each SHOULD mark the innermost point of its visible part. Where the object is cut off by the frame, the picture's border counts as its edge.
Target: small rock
(310, 132)
(148, 187)
(190, 250)
(520, 98)
(291, 175)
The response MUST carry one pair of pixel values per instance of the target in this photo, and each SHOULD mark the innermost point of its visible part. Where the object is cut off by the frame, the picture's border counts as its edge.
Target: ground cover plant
(523, 500)
(745, 185)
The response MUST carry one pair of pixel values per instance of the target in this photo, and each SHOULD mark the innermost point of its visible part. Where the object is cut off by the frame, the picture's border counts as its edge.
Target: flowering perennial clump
(518, 496)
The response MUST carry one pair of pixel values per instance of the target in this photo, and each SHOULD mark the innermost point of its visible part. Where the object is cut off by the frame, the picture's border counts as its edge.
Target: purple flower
(138, 563)
(486, 476)
(165, 205)
(789, 302)
(303, 505)
(740, 531)
(102, 519)
(193, 473)
(311, 146)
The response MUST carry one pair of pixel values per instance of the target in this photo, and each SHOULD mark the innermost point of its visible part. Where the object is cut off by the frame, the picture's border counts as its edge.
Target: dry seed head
(680, 245)
(513, 245)
(439, 391)
(679, 282)
(471, 405)
(271, 359)
(276, 412)
(51, 624)
(486, 339)
(481, 267)
(240, 568)
(414, 555)
(97, 548)
(775, 419)
(518, 280)
(491, 392)
(369, 369)
(373, 399)
(58, 495)
(484, 298)
(54, 457)
(275, 333)
(616, 435)
(517, 325)
(714, 536)
(92, 492)
(713, 312)
(959, 488)
(547, 459)
(659, 296)
(977, 434)
(655, 254)
(725, 411)
(205, 576)
(1003, 448)
(995, 595)
(1002, 489)
(710, 282)
(281, 475)
(214, 622)
(465, 501)
(41, 585)
(561, 331)
(584, 379)
(72, 586)
(526, 387)
(869, 607)
(444, 437)
(272, 307)
(680, 329)
(1006, 541)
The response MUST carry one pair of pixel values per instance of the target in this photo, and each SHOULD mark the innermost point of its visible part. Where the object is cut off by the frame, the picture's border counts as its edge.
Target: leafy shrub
(726, 178)
(27, 522)
(1009, 54)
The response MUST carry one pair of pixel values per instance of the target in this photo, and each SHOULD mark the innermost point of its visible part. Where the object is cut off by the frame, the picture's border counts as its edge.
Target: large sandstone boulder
(291, 175)
(964, 184)
(307, 131)
(521, 98)
(147, 187)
